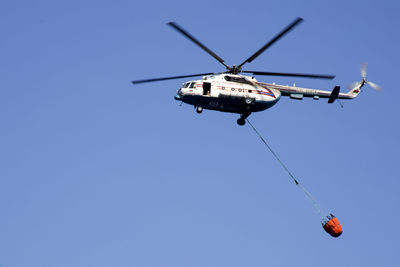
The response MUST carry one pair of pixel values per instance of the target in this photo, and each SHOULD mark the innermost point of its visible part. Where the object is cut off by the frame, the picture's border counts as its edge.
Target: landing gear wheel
(241, 122)
(199, 109)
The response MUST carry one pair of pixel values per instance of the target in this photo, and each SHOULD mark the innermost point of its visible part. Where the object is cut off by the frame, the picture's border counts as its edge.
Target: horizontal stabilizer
(334, 95)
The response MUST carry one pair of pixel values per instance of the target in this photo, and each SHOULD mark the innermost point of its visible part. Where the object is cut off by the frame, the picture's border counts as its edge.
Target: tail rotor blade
(363, 70)
(375, 86)
(354, 85)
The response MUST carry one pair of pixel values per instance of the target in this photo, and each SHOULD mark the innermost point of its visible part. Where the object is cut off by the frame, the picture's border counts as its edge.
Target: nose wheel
(242, 120)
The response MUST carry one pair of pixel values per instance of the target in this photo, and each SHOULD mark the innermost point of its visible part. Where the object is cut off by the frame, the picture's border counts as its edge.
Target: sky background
(97, 172)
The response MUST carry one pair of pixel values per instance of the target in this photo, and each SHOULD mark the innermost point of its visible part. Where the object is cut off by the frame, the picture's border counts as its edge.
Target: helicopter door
(207, 89)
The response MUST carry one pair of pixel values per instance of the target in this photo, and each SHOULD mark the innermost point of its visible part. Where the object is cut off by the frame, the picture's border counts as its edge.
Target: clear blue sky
(97, 172)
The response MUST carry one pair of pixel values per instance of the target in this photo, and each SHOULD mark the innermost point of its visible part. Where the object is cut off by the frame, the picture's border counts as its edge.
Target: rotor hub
(235, 69)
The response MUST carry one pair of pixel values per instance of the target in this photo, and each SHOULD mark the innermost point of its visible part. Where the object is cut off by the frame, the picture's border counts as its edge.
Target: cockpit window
(192, 85)
(186, 85)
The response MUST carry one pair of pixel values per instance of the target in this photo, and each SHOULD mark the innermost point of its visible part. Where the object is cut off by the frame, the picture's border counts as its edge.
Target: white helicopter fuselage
(228, 93)
(235, 93)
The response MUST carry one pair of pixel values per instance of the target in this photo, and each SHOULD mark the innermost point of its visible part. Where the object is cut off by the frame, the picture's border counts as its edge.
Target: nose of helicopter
(178, 95)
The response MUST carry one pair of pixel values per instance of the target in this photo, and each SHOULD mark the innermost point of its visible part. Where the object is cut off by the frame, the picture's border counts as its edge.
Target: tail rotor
(359, 85)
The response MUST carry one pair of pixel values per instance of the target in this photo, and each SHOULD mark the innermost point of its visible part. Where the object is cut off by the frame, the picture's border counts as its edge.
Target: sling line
(315, 204)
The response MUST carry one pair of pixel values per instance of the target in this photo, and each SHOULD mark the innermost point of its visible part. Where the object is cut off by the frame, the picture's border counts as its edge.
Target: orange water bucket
(332, 226)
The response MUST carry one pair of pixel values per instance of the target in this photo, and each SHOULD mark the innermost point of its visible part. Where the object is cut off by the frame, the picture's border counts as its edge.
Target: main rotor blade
(317, 76)
(189, 36)
(170, 78)
(276, 38)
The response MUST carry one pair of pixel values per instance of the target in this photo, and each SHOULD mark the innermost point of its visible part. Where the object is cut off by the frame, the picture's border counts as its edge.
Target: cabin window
(240, 90)
(233, 89)
(249, 91)
(223, 88)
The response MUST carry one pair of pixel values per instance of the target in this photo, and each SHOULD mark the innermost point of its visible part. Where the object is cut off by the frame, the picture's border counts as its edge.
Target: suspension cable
(314, 202)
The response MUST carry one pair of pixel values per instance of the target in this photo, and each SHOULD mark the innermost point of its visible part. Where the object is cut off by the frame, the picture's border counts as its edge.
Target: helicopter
(233, 92)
